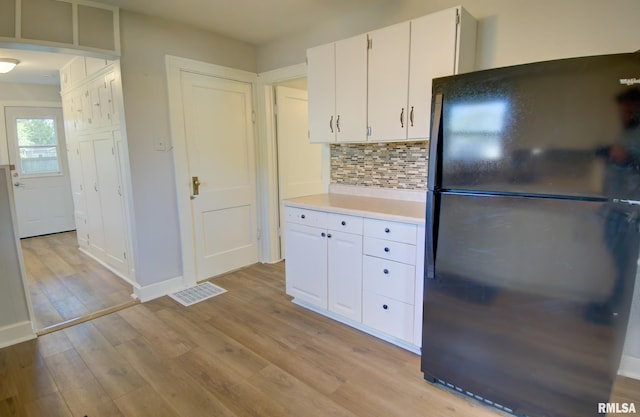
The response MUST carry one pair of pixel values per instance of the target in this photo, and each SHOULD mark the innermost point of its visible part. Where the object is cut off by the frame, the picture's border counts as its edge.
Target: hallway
(65, 284)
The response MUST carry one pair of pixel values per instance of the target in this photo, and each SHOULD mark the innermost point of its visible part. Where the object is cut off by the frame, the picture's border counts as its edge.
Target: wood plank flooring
(66, 284)
(247, 352)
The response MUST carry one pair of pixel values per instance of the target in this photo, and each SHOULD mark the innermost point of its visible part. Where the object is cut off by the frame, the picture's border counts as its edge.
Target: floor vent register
(194, 295)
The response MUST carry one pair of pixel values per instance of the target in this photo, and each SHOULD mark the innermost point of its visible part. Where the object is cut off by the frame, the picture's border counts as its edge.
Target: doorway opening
(65, 286)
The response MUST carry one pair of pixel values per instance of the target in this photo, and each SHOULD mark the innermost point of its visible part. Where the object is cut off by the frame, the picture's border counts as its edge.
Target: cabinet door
(87, 109)
(351, 89)
(345, 274)
(91, 191)
(306, 264)
(389, 82)
(321, 82)
(433, 54)
(111, 202)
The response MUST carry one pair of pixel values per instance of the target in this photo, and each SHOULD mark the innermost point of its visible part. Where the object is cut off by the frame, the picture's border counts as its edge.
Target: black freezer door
(530, 300)
(566, 127)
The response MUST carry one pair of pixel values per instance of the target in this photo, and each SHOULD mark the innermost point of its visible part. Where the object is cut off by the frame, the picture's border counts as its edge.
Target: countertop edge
(375, 214)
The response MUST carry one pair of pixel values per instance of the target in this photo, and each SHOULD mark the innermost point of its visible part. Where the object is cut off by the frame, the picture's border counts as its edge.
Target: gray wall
(145, 41)
(13, 304)
(509, 31)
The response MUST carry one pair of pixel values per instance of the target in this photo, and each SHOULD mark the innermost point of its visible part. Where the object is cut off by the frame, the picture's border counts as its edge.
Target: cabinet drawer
(398, 232)
(344, 223)
(388, 315)
(395, 251)
(392, 279)
(305, 216)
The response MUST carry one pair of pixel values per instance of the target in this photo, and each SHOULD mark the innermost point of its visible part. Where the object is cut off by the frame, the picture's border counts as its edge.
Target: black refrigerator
(532, 232)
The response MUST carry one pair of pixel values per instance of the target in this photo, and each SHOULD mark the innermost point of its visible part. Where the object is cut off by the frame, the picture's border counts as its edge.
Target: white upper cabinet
(321, 75)
(337, 79)
(389, 84)
(442, 44)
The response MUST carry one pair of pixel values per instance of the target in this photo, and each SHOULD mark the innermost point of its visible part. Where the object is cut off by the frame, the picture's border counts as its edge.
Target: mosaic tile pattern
(397, 165)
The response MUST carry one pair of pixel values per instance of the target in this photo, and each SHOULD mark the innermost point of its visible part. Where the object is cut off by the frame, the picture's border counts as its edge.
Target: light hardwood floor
(247, 352)
(66, 284)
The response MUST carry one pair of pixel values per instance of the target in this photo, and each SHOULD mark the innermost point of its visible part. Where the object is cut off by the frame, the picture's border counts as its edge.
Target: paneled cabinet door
(321, 76)
(433, 54)
(389, 115)
(345, 274)
(351, 89)
(91, 191)
(306, 264)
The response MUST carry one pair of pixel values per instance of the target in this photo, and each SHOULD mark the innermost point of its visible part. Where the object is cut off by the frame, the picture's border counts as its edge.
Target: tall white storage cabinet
(400, 62)
(91, 100)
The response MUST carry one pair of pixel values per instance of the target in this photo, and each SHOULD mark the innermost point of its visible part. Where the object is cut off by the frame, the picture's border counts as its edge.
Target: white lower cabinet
(362, 271)
(306, 267)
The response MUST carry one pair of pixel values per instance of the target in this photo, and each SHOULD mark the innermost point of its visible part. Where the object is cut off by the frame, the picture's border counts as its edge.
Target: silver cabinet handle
(338, 123)
(402, 117)
(411, 116)
(331, 124)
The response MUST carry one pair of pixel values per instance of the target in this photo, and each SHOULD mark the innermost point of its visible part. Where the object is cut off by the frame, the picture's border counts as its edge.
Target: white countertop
(380, 208)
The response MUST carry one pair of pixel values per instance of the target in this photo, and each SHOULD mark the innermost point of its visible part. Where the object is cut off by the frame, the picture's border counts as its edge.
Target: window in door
(38, 146)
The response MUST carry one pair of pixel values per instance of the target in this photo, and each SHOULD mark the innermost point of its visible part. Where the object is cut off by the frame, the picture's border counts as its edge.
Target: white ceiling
(35, 67)
(252, 21)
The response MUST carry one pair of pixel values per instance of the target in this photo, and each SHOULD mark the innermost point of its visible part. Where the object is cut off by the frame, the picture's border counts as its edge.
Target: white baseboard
(16, 333)
(630, 367)
(149, 292)
(106, 265)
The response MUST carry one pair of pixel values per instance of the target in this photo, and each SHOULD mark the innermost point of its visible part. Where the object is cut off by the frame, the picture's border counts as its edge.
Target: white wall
(509, 31)
(145, 42)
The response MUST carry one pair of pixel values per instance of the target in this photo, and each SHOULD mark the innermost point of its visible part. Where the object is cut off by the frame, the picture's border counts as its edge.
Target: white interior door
(41, 182)
(299, 162)
(220, 155)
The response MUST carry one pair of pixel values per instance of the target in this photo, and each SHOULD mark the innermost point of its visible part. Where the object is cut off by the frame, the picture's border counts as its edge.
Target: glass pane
(39, 160)
(36, 132)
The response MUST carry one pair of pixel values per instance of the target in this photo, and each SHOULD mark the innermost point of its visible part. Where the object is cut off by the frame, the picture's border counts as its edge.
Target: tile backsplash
(397, 165)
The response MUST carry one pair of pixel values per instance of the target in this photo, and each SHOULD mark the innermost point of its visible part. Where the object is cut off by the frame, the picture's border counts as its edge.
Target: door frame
(174, 66)
(268, 161)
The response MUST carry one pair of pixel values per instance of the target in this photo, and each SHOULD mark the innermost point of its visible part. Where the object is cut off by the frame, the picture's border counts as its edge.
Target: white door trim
(175, 65)
(268, 160)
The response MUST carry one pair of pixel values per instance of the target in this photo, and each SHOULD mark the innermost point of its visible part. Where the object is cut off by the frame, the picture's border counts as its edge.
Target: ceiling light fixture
(7, 64)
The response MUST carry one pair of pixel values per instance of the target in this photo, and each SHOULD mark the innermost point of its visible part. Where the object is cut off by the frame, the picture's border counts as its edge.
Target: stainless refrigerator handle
(434, 142)
(433, 209)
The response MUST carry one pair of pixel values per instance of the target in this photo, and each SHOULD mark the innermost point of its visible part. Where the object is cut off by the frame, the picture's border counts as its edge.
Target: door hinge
(457, 17)
(279, 231)
(275, 108)
(369, 43)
